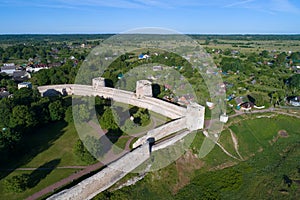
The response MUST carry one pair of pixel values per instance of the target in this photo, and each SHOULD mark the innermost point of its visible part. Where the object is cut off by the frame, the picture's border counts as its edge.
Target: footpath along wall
(104, 179)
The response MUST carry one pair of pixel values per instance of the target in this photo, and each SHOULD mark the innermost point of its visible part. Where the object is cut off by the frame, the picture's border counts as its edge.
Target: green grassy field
(50, 146)
(51, 177)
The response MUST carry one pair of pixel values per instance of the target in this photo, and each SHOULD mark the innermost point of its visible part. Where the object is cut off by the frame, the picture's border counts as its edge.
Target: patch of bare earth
(186, 165)
(260, 149)
(223, 166)
(281, 134)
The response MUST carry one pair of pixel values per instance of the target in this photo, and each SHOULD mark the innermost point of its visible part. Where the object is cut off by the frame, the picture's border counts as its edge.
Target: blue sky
(115, 16)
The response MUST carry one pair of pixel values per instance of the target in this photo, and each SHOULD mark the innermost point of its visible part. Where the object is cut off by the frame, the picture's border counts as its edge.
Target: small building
(8, 68)
(143, 56)
(246, 106)
(294, 101)
(120, 76)
(210, 105)
(3, 93)
(21, 75)
(230, 97)
(24, 85)
(224, 118)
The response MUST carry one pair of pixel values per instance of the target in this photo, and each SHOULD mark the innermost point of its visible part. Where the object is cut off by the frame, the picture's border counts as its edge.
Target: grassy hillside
(270, 169)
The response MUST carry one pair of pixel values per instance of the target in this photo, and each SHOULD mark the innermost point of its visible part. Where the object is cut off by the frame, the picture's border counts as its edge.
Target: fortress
(184, 121)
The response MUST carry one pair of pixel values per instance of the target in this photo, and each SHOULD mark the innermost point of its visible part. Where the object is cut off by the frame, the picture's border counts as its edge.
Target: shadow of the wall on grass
(40, 173)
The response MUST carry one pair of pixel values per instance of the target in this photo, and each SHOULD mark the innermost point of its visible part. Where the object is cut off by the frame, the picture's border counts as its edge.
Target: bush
(69, 115)
(17, 183)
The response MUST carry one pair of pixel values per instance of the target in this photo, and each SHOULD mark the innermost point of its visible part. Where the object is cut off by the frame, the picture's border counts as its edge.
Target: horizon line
(112, 33)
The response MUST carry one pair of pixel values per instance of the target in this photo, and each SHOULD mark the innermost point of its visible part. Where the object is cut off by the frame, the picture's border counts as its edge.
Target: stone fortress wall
(185, 120)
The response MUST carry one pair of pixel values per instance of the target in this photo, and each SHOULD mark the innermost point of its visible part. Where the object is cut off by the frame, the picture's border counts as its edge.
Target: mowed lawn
(50, 146)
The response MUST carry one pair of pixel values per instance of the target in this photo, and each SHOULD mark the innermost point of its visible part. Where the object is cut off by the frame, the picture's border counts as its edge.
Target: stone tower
(195, 116)
(143, 88)
(98, 82)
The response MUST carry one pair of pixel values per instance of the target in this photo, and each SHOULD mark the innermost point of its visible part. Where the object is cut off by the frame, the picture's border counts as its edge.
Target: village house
(224, 118)
(8, 68)
(24, 85)
(143, 56)
(36, 68)
(21, 75)
(294, 101)
(3, 93)
(246, 106)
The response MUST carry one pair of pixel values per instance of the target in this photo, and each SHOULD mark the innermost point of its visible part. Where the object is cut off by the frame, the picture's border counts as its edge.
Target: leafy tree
(259, 99)
(94, 146)
(252, 57)
(22, 117)
(265, 54)
(109, 120)
(8, 140)
(69, 115)
(81, 151)
(281, 58)
(56, 110)
(5, 57)
(231, 64)
(142, 117)
(11, 86)
(41, 110)
(295, 57)
(81, 113)
(42, 77)
(24, 96)
(294, 81)
(17, 183)
(5, 112)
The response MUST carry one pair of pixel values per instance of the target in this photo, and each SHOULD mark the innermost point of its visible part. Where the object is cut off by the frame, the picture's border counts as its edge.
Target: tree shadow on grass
(107, 141)
(31, 145)
(40, 173)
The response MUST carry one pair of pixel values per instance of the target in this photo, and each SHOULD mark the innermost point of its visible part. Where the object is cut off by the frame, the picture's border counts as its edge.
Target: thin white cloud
(268, 6)
(103, 3)
(239, 3)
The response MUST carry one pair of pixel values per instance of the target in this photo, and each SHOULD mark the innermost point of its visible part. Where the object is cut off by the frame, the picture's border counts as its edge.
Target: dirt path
(65, 181)
(235, 142)
(226, 152)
